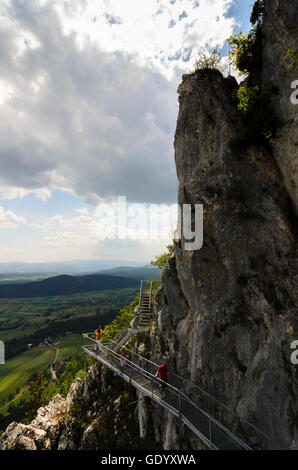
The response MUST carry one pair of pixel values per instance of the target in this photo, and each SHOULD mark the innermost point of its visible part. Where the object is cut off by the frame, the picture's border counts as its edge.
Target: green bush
(243, 56)
(248, 45)
(206, 60)
(258, 117)
(121, 321)
(291, 57)
(256, 17)
(161, 261)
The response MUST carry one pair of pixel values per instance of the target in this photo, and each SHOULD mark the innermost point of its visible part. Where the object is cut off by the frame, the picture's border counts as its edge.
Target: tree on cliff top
(161, 261)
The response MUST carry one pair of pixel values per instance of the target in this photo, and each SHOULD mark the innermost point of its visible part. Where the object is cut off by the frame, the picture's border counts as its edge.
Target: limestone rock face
(227, 313)
(67, 440)
(94, 416)
(90, 438)
(42, 433)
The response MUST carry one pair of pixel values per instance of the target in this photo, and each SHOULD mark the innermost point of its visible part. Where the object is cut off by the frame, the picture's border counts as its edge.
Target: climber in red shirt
(163, 372)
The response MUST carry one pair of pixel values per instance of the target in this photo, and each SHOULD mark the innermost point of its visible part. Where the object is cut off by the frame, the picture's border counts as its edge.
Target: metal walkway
(196, 409)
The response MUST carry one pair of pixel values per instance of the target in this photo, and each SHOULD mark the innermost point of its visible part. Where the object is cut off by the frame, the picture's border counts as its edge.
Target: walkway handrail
(144, 282)
(104, 345)
(227, 410)
(150, 295)
(141, 291)
(178, 393)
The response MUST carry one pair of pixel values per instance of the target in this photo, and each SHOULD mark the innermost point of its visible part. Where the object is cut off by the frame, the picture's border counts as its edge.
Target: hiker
(163, 373)
(98, 335)
(123, 354)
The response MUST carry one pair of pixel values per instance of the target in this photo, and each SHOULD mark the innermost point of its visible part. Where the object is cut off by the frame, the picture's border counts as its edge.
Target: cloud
(12, 192)
(9, 219)
(152, 30)
(116, 221)
(88, 92)
(85, 236)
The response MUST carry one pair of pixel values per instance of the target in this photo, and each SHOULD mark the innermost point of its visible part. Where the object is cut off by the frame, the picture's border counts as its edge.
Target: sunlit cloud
(9, 219)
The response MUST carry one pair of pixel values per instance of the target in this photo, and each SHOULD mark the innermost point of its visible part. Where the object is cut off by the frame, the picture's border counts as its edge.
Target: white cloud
(143, 223)
(13, 192)
(83, 211)
(153, 31)
(6, 92)
(9, 219)
(92, 103)
(68, 239)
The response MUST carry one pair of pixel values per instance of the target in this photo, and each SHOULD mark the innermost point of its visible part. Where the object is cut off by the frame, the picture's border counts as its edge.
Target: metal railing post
(84, 366)
(150, 295)
(179, 404)
(140, 300)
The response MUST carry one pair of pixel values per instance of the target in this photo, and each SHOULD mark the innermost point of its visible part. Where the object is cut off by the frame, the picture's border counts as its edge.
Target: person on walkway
(98, 335)
(163, 374)
(123, 355)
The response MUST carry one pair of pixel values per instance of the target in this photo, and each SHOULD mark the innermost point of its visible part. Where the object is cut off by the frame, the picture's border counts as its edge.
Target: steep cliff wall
(227, 313)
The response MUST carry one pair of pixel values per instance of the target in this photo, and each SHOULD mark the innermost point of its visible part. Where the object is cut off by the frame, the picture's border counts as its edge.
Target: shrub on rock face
(257, 114)
(243, 54)
(291, 57)
(247, 46)
(257, 13)
(258, 118)
(161, 261)
(206, 60)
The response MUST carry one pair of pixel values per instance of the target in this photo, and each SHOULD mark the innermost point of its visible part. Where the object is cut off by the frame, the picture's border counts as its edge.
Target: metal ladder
(144, 312)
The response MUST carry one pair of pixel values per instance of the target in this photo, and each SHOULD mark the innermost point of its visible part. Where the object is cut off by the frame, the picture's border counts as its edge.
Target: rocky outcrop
(96, 414)
(42, 433)
(227, 313)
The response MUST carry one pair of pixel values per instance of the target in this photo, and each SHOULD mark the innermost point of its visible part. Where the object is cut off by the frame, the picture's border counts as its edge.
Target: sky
(88, 105)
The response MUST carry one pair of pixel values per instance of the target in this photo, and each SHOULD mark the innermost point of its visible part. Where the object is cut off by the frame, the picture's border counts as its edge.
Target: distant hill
(65, 284)
(143, 272)
(67, 267)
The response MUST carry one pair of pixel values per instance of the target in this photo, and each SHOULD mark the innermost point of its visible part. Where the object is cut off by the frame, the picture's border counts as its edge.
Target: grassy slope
(15, 373)
(28, 316)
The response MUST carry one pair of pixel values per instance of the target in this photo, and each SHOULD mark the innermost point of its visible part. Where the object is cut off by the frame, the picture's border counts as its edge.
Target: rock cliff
(227, 313)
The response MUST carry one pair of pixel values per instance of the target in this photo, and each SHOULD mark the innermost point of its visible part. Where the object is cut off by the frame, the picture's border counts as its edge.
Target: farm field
(19, 317)
(24, 321)
(15, 373)
(61, 319)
